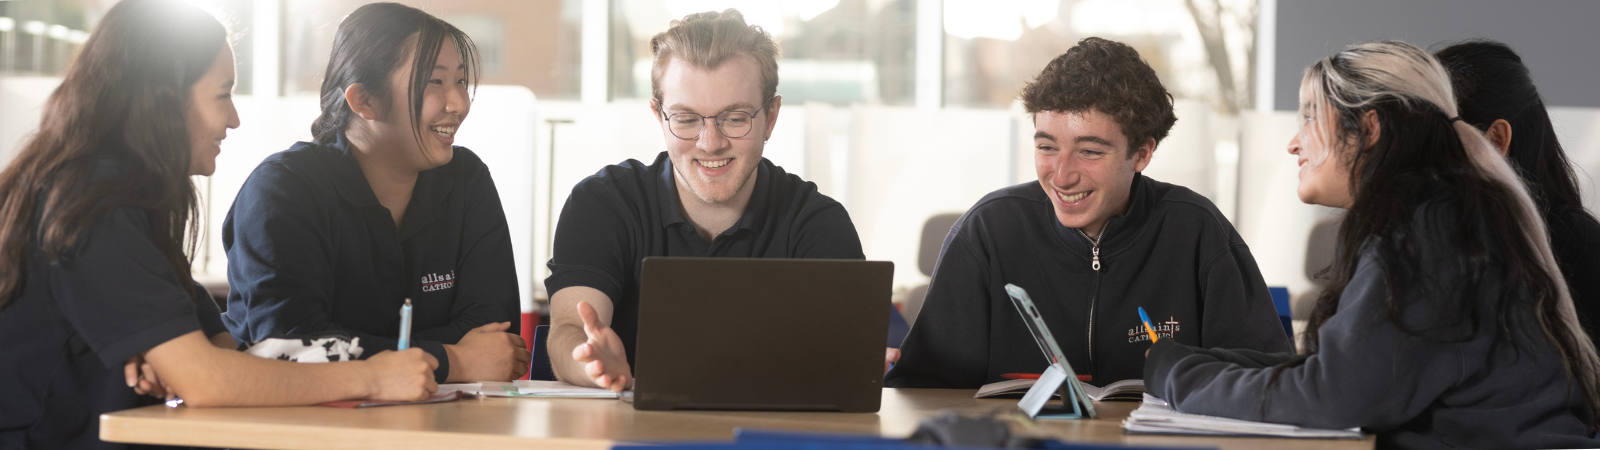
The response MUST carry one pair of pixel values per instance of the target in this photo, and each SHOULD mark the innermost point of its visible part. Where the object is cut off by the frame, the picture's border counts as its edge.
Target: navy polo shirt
(66, 333)
(626, 212)
(311, 250)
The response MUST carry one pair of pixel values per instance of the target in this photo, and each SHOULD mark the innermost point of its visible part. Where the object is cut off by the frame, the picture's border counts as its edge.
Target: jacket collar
(1122, 228)
(433, 186)
(348, 178)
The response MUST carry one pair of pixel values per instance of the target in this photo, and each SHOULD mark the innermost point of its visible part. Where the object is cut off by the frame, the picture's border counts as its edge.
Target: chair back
(539, 366)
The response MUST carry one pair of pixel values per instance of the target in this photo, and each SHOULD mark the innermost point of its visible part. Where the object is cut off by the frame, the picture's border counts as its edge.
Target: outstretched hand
(602, 355)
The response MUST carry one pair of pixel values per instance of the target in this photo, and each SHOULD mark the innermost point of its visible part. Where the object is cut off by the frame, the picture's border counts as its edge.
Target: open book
(1125, 390)
(1155, 416)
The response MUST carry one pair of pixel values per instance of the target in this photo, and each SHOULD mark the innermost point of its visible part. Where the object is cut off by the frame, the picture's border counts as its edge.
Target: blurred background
(905, 111)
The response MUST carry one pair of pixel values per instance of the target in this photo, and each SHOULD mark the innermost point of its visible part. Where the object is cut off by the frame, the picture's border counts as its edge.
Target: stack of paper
(1154, 416)
(528, 388)
(438, 397)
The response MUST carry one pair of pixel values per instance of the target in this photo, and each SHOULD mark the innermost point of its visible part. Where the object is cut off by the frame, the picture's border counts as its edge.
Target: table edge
(133, 430)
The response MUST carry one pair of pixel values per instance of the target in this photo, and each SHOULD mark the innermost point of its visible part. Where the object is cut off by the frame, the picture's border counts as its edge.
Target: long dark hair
(370, 45)
(1429, 182)
(1491, 83)
(123, 98)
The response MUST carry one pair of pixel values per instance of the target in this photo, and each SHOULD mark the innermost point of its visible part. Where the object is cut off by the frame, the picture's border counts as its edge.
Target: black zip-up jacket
(1172, 253)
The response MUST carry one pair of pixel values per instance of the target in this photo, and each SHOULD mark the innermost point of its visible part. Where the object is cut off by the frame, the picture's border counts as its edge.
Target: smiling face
(445, 104)
(714, 168)
(210, 113)
(1083, 165)
(1324, 174)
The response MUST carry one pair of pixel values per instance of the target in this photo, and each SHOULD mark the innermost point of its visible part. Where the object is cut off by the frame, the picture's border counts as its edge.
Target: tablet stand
(1054, 381)
(1058, 377)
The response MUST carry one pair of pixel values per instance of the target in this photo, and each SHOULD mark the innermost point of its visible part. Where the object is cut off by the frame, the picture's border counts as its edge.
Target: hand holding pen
(1146, 319)
(405, 326)
(1153, 336)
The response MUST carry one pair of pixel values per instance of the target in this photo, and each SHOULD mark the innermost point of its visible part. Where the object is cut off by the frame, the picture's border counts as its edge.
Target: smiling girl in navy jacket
(334, 235)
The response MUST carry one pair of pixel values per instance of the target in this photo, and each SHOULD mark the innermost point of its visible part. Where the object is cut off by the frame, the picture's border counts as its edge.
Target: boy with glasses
(710, 194)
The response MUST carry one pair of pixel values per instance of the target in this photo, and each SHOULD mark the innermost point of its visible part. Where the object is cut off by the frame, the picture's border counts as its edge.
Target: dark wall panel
(1558, 39)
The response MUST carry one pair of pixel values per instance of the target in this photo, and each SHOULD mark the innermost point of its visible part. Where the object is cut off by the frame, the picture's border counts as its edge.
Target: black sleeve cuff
(1158, 366)
(583, 277)
(437, 350)
(142, 341)
(206, 310)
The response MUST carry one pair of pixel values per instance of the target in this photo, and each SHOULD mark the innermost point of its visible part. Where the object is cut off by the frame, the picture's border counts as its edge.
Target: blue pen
(405, 326)
(1146, 318)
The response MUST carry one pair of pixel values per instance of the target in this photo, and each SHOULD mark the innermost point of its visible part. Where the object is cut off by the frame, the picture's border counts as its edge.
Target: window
(833, 51)
(525, 43)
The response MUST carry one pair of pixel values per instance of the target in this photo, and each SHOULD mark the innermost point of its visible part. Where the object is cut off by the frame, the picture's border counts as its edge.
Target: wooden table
(577, 424)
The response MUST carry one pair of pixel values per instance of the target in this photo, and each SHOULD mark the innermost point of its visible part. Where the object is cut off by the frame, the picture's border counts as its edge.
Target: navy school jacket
(311, 250)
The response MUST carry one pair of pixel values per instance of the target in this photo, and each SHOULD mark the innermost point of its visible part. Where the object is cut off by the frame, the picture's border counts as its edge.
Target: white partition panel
(1272, 219)
(501, 128)
(1579, 131)
(1186, 156)
(21, 101)
(908, 164)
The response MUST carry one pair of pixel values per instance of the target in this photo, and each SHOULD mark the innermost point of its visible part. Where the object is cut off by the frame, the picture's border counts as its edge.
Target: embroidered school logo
(438, 282)
(1165, 329)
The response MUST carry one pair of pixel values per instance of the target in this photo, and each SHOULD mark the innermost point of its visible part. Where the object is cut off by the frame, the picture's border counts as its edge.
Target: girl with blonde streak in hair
(1446, 322)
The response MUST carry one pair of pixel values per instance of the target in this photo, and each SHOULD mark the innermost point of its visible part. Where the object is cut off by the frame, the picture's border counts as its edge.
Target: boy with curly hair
(1092, 241)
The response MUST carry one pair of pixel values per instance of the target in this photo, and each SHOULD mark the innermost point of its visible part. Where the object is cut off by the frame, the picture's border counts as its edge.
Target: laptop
(761, 334)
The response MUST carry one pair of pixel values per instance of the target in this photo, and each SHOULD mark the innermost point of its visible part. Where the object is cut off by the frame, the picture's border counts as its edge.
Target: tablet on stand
(1058, 377)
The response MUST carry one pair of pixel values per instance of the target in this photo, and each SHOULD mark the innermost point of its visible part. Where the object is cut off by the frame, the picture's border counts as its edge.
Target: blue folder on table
(748, 439)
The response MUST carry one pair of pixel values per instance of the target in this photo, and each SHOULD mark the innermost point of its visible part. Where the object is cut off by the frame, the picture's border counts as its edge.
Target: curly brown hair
(1109, 77)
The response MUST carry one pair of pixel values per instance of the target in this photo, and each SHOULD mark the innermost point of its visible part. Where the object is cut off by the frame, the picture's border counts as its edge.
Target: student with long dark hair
(336, 234)
(1446, 322)
(97, 225)
(1497, 96)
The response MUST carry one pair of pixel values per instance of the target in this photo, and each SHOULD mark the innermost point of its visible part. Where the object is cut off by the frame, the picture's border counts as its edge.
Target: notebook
(1155, 416)
(440, 396)
(528, 388)
(1125, 390)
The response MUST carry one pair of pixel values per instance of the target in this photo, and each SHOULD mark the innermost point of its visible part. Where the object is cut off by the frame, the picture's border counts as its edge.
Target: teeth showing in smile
(1071, 198)
(714, 164)
(444, 131)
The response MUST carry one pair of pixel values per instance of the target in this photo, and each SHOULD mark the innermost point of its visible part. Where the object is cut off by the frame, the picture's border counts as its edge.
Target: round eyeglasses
(732, 124)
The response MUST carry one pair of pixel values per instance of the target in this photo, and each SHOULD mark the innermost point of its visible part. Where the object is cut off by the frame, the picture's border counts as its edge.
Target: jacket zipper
(1095, 297)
